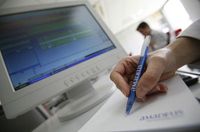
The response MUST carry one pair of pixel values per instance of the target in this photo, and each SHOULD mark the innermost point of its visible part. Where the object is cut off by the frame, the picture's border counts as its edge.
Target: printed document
(176, 109)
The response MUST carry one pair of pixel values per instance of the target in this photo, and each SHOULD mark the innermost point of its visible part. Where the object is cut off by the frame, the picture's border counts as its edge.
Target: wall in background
(130, 39)
(193, 8)
(120, 14)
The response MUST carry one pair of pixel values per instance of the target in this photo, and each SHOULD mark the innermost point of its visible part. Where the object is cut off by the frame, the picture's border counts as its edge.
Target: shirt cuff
(192, 31)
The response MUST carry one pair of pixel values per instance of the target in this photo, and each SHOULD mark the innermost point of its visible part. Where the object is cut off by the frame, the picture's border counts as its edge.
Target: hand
(160, 66)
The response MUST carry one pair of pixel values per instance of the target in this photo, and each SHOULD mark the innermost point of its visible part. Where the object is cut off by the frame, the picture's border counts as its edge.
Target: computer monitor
(49, 49)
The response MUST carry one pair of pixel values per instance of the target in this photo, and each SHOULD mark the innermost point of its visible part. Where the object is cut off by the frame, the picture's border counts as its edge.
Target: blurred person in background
(158, 39)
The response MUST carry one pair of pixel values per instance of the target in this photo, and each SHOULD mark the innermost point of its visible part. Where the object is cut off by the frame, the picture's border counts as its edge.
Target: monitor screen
(38, 44)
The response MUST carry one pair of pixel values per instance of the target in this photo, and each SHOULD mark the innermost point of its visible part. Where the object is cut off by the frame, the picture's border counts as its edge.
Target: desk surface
(53, 124)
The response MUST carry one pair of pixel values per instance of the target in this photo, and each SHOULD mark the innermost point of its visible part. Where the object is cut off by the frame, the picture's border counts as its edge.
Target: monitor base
(84, 97)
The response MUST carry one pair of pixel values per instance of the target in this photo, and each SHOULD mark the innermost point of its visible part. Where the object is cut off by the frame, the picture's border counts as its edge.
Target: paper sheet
(175, 109)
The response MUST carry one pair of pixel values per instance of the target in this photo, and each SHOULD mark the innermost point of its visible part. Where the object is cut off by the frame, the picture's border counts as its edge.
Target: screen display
(39, 44)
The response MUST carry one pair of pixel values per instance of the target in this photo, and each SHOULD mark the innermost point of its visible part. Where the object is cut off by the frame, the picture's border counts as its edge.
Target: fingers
(159, 67)
(123, 73)
(151, 77)
(159, 88)
(120, 83)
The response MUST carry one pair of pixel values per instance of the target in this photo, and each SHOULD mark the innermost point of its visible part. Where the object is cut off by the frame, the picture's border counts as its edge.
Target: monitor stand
(84, 97)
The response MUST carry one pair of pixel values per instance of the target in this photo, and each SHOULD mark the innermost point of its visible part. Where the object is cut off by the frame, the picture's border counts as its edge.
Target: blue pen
(138, 74)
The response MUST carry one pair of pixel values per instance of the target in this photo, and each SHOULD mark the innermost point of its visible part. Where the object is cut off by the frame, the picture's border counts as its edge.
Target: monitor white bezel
(9, 96)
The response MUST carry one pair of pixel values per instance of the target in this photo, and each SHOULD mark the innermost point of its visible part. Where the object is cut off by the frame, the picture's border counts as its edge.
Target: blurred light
(176, 14)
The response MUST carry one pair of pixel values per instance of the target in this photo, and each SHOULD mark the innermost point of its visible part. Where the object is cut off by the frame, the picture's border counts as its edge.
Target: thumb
(150, 78)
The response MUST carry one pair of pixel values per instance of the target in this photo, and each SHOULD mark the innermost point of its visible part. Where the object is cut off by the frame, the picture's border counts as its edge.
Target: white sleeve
(192, 31)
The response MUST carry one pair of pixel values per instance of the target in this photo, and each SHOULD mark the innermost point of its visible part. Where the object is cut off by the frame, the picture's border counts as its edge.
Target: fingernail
(163, 88)
(159, 88)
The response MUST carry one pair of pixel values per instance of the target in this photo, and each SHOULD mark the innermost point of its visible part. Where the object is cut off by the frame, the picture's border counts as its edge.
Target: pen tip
(127, 112)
